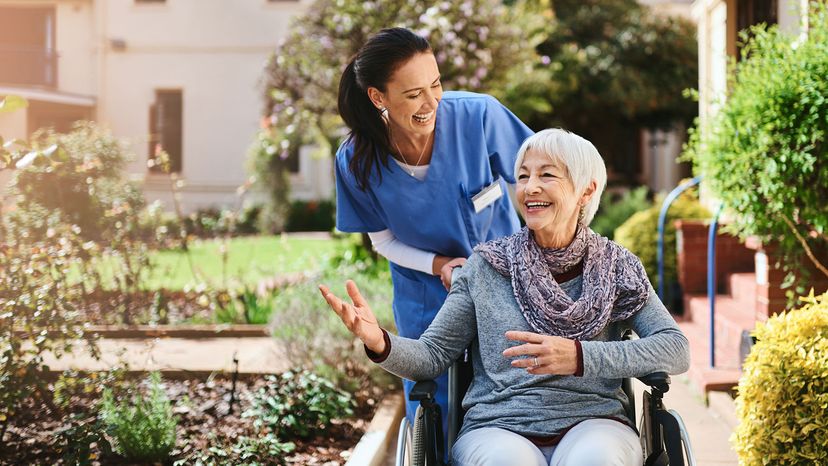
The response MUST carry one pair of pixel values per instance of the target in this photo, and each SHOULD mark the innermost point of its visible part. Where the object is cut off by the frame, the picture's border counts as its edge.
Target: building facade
(182, 74)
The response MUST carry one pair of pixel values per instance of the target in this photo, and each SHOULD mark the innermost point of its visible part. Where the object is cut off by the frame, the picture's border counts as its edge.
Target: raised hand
(357, 317)
(543, 354)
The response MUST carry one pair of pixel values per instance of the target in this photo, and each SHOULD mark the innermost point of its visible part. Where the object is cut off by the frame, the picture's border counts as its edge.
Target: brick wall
(731, 256)
(770, 296)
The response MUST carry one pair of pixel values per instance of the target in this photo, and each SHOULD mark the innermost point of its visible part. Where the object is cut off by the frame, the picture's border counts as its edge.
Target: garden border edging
(373, 446)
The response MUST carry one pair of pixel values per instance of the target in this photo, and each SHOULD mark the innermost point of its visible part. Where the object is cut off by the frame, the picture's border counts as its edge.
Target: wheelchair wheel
(687, 449)
(418, 439)
(404, 443)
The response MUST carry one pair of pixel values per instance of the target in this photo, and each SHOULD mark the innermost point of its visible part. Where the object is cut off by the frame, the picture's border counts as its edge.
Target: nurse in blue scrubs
(423, 172)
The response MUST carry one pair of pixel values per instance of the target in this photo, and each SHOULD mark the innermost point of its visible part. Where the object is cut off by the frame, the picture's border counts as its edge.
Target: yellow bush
(783, 394)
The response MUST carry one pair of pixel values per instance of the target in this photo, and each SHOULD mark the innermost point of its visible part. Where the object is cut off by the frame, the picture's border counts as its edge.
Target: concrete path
(256, 355)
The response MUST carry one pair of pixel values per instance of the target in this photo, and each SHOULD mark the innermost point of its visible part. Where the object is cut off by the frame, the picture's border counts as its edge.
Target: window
(27, 46)
(166, 126)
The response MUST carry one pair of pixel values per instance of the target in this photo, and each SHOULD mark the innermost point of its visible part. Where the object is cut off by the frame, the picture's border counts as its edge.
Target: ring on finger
(535, 362)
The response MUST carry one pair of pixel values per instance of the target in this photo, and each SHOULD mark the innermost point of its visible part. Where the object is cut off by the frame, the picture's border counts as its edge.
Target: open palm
(356, 316)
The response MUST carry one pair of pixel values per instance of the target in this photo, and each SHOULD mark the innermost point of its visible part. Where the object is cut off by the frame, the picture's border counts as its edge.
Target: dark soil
(34, 436)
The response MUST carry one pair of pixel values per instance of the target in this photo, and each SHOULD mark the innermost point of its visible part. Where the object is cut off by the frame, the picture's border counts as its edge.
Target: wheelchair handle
(657, 380)
(423, 390)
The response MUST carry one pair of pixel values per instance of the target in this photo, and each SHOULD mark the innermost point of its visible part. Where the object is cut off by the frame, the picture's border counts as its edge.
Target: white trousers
(596, 442)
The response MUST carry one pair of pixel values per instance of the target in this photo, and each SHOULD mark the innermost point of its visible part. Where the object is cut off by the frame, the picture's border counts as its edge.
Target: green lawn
(249, 259)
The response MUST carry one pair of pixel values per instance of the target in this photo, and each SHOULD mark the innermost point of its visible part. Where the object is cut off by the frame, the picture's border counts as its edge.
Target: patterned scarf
(614, 285)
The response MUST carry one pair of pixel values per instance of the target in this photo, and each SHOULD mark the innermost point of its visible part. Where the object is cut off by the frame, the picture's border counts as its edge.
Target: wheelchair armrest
(657, 380)
(423, 390)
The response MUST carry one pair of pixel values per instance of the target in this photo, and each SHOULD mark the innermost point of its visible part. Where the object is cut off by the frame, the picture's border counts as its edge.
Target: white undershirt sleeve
(387, 245)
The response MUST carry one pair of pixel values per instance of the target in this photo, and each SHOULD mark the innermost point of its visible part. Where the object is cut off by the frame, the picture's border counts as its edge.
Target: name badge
(487, 196)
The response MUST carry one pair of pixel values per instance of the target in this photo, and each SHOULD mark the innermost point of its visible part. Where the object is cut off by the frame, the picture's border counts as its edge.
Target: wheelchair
(663, 435)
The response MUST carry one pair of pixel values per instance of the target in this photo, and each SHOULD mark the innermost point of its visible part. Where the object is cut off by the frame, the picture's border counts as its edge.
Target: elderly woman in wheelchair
(542, 313)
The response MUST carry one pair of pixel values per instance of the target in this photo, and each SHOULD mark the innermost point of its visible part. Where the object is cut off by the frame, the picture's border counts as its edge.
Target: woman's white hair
(582, 161)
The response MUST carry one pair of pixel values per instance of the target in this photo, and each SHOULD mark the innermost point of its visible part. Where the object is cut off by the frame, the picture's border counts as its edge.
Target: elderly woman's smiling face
(547, 199)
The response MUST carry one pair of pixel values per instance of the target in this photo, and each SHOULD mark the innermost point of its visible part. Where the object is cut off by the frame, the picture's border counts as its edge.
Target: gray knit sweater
(477, 313)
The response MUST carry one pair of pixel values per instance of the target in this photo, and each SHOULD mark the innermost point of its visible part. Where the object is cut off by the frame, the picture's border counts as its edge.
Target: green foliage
(783, 392)
(475, 42)
(244, 306)
(80, 176)
(615, 210)
(82, 439)
(604, 69)
(311, 216)
(298, 404)
(764, 152)
(604, 58)
(639, 234)
(39, 311)
(267, 157)
(142, 428)
(75, 182)
(312, 334)
(263, 450)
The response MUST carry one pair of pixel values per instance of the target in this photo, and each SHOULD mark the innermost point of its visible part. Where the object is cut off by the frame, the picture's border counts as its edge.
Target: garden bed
(39, 435)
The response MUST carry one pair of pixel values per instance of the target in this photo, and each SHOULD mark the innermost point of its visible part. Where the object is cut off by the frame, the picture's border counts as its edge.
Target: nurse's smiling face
(412, 95)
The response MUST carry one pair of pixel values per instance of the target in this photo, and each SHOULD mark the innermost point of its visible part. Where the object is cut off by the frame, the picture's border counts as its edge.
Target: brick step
(732, 318)
(742, 288)
(724, 377)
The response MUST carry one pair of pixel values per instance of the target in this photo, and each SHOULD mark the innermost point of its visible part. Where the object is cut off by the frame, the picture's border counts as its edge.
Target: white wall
(215, 52)
(76, 48)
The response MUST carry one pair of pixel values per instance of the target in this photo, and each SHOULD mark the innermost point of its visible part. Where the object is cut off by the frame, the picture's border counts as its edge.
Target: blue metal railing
(662, 217)
(711, 280)
(711, 257)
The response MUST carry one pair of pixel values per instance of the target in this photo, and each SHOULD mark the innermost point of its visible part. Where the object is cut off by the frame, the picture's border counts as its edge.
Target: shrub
(783, 392)
(262, 450)
(615, 210)
(639, 234)
(244, 306)
(311, 216)
(312, 334)
(143, 428)
(298, 404)
(76, 181)
(764, 152)
(39, 309)
(79, 175)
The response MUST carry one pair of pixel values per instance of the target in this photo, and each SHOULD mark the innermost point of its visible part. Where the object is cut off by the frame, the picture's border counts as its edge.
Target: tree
(604, 69)
(476, 43)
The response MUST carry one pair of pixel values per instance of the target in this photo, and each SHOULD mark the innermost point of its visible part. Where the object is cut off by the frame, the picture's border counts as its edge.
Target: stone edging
(178, 331)
(374, 444)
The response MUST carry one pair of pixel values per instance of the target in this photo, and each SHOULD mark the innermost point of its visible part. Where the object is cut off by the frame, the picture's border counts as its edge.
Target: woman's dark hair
(372, 66)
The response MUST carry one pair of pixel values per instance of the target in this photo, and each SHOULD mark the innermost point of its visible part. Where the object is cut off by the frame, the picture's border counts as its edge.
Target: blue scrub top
(476, 140)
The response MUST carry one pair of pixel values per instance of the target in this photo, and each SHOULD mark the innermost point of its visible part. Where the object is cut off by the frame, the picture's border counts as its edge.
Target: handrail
(662, 217)
(711, 280)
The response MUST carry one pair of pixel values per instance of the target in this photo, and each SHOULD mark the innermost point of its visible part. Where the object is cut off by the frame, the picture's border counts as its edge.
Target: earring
(581, 216)
(384, 113)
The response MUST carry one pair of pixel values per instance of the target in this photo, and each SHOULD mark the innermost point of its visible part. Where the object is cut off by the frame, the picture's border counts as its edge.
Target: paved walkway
(256, 355)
